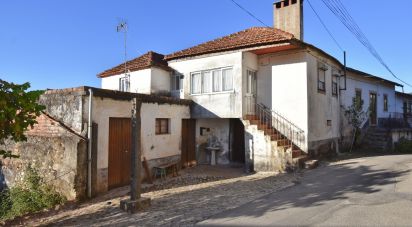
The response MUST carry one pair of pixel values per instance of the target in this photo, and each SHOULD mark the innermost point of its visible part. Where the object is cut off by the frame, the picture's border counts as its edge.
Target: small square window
(162, 126)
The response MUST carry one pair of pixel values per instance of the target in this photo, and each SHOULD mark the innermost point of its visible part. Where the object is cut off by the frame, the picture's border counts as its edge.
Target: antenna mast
(122, 27)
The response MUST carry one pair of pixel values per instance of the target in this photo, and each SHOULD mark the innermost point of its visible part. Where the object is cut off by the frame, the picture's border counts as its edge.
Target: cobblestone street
(179, 205)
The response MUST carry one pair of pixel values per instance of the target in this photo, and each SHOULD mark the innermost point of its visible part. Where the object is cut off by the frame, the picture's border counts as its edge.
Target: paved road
(357, 192)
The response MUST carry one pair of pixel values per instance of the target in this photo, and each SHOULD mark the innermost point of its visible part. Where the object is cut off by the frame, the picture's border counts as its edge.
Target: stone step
(300, 161)
(296, 153)
(311, 164)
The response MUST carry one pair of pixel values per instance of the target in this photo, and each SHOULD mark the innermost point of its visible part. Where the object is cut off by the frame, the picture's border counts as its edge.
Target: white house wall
(215, 105)
(323, 106)
(282, 86)
(140, 81)
(160, 81)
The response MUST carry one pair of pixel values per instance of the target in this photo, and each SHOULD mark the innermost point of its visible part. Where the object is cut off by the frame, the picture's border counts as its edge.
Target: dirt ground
(196, 194)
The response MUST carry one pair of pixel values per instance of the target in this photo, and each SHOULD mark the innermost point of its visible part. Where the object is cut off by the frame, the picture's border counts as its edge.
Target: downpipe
(89, 146)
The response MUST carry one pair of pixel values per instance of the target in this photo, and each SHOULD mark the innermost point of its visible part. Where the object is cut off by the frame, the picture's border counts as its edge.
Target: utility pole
(136, 202)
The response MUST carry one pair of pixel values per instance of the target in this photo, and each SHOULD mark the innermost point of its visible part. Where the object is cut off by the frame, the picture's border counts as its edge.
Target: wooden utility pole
(136, 202)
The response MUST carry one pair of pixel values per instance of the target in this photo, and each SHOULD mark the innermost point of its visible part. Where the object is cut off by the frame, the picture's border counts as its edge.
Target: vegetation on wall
(18, 111)
(403, 146)
(31, 195)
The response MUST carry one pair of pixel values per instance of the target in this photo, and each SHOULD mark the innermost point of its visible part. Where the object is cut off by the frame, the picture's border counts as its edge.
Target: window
(177, 82)
(124, 83)
(385, 102)
(322, 77)
(209, 81)
(334, 85)
(162, 126)
(358, 98)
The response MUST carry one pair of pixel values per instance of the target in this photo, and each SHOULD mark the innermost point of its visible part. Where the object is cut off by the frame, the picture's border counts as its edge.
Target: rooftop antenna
(122, 27)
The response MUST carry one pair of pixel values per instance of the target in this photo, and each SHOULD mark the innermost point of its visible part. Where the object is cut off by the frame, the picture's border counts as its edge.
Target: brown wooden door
(188, 142)
(372, 109)
(120, 133)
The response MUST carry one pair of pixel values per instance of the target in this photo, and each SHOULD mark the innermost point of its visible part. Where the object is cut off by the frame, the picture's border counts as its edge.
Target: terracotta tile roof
(143, 62)
(251, 37)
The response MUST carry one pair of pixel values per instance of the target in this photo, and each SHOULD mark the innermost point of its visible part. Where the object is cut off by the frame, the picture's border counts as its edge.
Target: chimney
(288, 16)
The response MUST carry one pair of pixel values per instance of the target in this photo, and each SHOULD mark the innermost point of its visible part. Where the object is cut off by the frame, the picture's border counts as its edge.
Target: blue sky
(58, 44)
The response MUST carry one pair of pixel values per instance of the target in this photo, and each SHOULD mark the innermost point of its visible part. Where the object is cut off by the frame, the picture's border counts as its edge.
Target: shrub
(30, 196)
(403, 146)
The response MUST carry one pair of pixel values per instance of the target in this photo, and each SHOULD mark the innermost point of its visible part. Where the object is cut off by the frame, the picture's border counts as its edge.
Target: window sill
(214, 93)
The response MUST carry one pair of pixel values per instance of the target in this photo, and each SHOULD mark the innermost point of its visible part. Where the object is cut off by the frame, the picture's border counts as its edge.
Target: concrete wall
(282, 86)
(215, 105)
(154, 147)
(219, 132)
(59, 156)
(322, 106)
(160, 81)
(262, 154)
(140, 81)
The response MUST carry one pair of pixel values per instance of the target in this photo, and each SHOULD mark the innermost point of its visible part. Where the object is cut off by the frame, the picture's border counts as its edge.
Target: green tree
(18, 111)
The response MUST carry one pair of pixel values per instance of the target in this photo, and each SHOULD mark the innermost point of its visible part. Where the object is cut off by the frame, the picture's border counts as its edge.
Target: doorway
(373, 109)
(120, 140)
(188, 157)
(237, 151)
(251, 91)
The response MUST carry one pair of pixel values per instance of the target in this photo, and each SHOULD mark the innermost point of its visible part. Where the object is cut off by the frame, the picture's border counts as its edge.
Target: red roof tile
(145, 61)
(251, 37)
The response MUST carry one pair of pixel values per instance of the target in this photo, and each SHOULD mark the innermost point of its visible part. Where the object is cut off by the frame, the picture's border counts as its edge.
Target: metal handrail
(280, 127)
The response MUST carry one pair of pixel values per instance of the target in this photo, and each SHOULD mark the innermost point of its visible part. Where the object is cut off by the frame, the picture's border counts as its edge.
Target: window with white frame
(322, 68)
(124, 83)
(210, 81)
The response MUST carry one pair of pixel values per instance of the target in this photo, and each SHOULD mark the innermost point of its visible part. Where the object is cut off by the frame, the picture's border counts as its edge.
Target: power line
(324, 26)
(340, 11)
(248, 12)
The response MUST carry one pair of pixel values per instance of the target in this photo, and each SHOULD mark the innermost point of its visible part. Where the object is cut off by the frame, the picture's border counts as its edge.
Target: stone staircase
(295, 157)
(376, 139)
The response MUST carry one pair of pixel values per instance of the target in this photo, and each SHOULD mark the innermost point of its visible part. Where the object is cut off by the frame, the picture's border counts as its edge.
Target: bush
(403, 146)
(30, 196)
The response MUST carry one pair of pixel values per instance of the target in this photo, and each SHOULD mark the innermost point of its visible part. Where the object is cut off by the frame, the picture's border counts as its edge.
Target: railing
(280, 127)
(395, 120)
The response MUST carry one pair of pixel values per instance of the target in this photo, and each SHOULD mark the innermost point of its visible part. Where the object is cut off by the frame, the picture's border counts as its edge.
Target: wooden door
(120, 135)
(251, 92)
(372, 108)
(188, 142)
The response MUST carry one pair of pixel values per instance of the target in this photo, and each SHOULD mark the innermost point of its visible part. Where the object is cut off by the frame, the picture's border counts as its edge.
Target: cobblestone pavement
(177, 206)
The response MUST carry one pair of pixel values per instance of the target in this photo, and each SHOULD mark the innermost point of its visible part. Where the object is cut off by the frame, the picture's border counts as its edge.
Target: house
(265, 98)
(58, 145)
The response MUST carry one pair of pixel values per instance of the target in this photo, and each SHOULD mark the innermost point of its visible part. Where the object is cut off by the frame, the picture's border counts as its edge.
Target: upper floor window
(334, 85)
(209, 81)
(385, 102)
(322, 68)
(177, 82)
(124, 83)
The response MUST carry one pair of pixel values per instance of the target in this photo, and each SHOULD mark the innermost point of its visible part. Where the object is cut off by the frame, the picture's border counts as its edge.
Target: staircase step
(283, 142)
(300, 161)
(296, 153)
(251, 117)
(311, 164)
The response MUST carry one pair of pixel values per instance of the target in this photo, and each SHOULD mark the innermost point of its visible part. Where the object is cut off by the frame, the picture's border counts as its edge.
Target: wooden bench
(162, 170)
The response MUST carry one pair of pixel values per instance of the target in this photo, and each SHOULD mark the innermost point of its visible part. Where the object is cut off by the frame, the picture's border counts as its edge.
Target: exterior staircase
(283, 133)
(377, 139)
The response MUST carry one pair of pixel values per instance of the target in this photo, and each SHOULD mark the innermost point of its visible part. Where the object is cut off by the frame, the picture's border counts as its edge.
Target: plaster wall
(217, 130)
(153, 146)
(282, 86)
(140, 81)
(215, 105)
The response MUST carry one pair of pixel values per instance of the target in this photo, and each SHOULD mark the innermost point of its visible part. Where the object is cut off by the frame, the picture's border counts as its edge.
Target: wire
(324, 26)
(248, 12)
(340, 11)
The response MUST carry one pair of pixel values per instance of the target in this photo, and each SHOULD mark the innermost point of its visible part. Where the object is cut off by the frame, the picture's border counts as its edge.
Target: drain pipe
(89, 147)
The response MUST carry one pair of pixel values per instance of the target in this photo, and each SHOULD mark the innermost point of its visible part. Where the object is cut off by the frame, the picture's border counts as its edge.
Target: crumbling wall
(57, 153)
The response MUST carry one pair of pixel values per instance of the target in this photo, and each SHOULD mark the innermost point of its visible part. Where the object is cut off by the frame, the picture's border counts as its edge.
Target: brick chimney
(288, 16)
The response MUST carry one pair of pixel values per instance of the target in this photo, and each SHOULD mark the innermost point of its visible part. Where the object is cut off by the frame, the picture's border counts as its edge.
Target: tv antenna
(122, 27)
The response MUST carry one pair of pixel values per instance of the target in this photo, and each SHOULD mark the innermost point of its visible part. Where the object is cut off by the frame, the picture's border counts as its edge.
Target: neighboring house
(57, 145)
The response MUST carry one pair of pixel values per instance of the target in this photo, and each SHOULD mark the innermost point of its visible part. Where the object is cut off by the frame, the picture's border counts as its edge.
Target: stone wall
(56, 152)
(263, 154)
